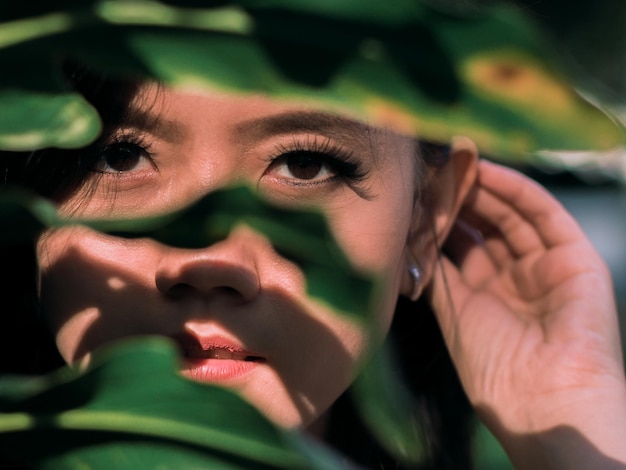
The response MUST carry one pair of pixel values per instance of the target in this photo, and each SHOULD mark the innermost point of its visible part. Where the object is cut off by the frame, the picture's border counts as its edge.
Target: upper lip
(213, 347)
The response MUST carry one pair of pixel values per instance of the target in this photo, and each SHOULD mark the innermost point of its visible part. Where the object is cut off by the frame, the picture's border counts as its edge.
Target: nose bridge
(228, 267)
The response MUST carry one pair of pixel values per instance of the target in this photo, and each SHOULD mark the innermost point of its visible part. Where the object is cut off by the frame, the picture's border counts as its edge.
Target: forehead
(250, 117)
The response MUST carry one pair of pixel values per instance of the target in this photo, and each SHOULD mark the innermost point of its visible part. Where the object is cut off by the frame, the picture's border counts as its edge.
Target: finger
(466, 248)
(533, 203)
(506, 233)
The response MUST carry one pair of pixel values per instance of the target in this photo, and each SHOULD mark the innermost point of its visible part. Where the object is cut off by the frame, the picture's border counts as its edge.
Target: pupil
(122, 157)
(304, 167)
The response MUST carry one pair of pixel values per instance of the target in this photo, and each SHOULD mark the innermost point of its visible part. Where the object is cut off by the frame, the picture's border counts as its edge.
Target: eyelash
(120, 141)
(342, 162)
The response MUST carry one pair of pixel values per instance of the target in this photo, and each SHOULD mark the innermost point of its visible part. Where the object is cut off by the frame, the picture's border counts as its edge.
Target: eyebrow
(328, 124)
(142, 120)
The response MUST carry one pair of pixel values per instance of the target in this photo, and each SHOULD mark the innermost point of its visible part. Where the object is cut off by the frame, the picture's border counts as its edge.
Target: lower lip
(222, 371)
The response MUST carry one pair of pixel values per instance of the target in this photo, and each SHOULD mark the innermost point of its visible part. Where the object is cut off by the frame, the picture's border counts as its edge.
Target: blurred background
(590, 38)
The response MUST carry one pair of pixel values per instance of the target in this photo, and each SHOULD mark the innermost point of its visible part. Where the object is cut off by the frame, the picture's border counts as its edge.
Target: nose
(228, 267)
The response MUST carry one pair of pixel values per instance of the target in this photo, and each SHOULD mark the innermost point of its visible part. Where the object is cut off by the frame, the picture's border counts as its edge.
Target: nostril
(180, 290)
(229, 291)
(220, 269)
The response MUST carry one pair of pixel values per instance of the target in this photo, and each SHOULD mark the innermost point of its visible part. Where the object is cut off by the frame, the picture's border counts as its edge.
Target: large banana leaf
(404, 65)
(130, 410)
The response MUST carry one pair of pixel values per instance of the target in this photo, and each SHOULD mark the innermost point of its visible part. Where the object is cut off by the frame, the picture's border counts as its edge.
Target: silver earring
(416, 275)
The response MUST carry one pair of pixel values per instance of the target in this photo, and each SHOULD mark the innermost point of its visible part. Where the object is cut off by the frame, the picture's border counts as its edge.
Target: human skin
(238, 298)
(527, 310)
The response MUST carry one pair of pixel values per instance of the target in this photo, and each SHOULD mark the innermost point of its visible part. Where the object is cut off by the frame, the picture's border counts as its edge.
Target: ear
(433, 219)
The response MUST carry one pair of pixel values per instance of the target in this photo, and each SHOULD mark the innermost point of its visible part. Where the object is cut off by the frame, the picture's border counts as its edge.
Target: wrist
(579, 429)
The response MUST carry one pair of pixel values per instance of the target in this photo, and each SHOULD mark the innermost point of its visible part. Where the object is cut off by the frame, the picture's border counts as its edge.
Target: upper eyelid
(121, 134)
(346, 163)
(311, 144)
(340, 156)
(143, 139)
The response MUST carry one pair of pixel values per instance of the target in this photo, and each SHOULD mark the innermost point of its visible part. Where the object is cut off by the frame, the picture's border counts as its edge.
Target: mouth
(216, 359)
(221, 352)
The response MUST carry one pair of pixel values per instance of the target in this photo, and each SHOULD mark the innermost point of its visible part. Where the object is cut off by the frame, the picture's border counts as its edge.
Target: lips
(221, 352)
(215, 359)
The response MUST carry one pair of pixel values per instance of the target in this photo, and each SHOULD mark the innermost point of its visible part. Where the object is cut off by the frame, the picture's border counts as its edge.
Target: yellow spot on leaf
(520, 81)
(391, 115)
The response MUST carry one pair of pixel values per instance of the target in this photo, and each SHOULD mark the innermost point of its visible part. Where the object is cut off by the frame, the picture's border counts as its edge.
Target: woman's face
(238, 309)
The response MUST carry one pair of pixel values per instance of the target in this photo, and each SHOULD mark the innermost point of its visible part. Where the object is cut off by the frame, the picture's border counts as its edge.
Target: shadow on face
(93, 296)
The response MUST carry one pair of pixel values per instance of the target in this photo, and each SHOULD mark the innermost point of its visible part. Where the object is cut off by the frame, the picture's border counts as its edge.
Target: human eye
(309, 162)
(121, 154)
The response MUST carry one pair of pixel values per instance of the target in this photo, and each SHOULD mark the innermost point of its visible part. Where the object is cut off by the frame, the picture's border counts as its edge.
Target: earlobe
(415, 273)
(448, 188)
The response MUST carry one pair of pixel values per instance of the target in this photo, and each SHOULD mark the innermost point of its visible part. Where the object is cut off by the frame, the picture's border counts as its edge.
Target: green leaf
(130, 407)
(30, 121)
(387, 408)
(300, 236)
(516, 94)
(129, 452)
(18, 10)
(373, 12)
(431, 74)
(24, 216)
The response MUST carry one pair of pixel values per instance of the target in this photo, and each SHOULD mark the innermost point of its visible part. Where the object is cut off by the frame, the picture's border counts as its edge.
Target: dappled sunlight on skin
(312, 354)
(236, 304)
(240, 287)
(116, 283)
(77, 327)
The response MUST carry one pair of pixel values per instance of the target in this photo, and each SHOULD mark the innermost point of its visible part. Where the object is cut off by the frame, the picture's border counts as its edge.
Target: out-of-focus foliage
(386, 406)
(435, 74)
(404, 64)
(301, 236)
(130, 411)
(589, 37)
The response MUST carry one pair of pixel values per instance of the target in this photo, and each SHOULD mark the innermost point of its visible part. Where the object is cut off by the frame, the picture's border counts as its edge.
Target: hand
(527, 309)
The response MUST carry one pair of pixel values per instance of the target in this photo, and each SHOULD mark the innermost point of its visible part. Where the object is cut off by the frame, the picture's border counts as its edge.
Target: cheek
(374, 239)
(60, 295)
(81, 275)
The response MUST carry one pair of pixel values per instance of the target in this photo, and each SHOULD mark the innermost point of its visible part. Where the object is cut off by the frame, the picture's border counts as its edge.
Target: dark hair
(441, 406)
(54, 174)
(441, 409)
